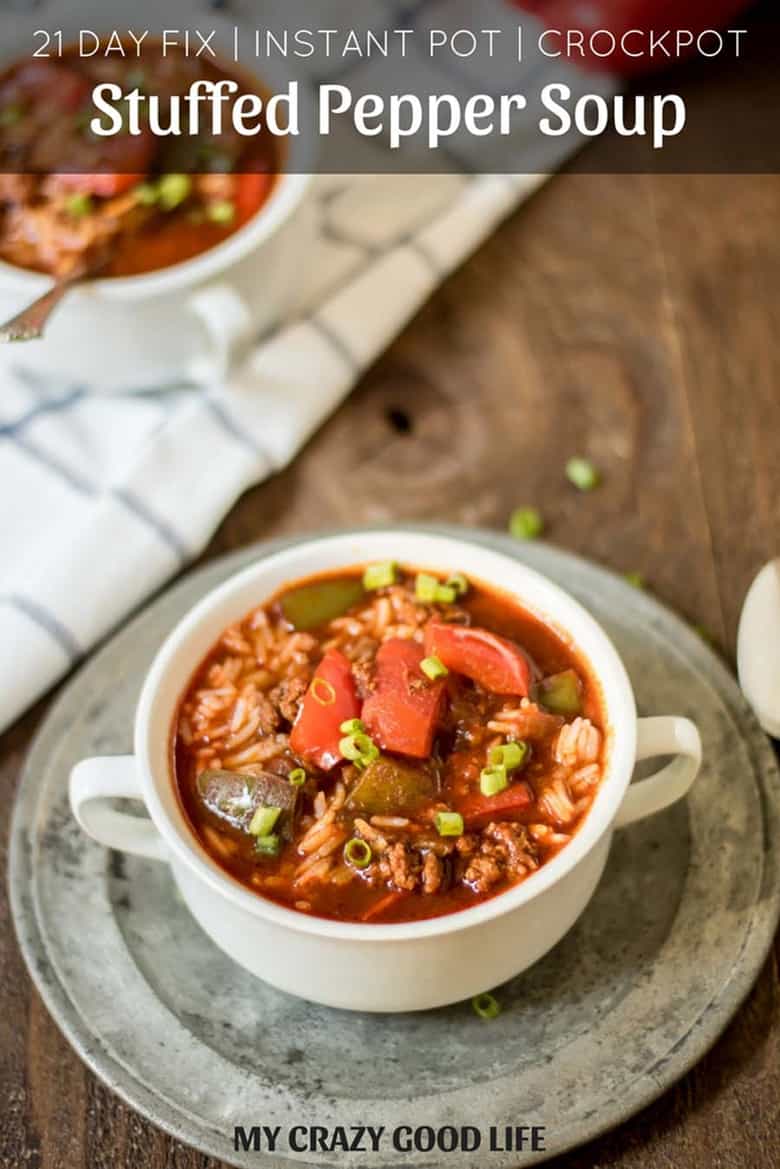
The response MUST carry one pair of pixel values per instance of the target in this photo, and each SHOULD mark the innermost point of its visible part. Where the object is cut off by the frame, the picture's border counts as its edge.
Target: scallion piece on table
(526, 523)
(264, 821)
(379, 576)
(268, 845)
(297, 777)
(509, 755)
(173, 190)
(486, 1006)
(221, 212)
(449, 823)
(493, 779)
(357, 853)
(582, 473)
(78, 205)
(433, 668)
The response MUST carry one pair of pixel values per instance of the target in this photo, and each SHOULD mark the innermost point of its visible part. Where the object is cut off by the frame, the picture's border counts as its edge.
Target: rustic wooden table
(630, 318)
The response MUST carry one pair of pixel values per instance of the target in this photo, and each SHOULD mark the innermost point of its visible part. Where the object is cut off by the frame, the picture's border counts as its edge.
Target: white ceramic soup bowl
(190, 321)
(375, 967)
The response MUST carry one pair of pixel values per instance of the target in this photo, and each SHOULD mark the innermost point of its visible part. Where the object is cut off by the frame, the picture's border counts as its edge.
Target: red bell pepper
(495, 663)
(251, 192)
(330, 700)
(401, 712)
(478, 810)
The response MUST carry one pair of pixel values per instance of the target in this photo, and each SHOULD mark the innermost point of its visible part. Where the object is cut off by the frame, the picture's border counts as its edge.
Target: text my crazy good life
(215, 105)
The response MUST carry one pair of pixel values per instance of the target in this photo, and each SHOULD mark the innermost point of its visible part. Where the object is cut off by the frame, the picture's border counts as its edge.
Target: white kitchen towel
(106, 496)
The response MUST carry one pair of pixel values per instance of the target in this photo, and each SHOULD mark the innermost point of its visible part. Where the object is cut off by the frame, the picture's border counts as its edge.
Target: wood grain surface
(633, 319)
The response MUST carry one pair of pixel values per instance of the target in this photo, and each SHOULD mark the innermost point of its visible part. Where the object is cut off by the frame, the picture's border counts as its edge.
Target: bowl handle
(669, 735)
(95, 781)
(229, 327)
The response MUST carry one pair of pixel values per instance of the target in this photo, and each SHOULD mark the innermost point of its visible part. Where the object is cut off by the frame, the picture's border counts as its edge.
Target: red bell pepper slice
(495, 663)
(330, 700)
(401, 712)
(252, 190)
(478, 810)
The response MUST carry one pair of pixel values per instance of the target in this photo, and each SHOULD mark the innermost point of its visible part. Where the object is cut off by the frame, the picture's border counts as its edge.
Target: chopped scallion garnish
(445, 595)
(357, 853)
(449, 823)
(79, 205)
(352, 726)
(323, 691)
(359, 749)
(582, 473)
(433, 668)
(425, 587)
(459, 583)
(526, 523)
(635, 579)
(509, 755)
(493, 779)
(379, 576)
(486, 1006)
(268, 845)
(264, 821)
(429, 590)
(297, 777)
(173, 190)
(147, 194)
(221, 212)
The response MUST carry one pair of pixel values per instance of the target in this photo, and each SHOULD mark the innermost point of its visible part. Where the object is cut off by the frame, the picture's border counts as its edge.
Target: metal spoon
(29, 324)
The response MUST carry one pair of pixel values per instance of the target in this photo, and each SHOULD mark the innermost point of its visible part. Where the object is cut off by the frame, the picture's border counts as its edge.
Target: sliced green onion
(445, 595)
(379, 576)
(509, 755)
(359, 748)
(449, 823)
(323, 691)
(147, 194)
(486, 1006)
(78, 205)
(221, 212)
(433, 668)
(582, 473)
(173, 190)
(493, 780)
(357, 853)
(353, 726)
(268, 845)
(458, 582)
(635, 579)
(425, 587)
(264, 821)
(297, 777)
(526, 523)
